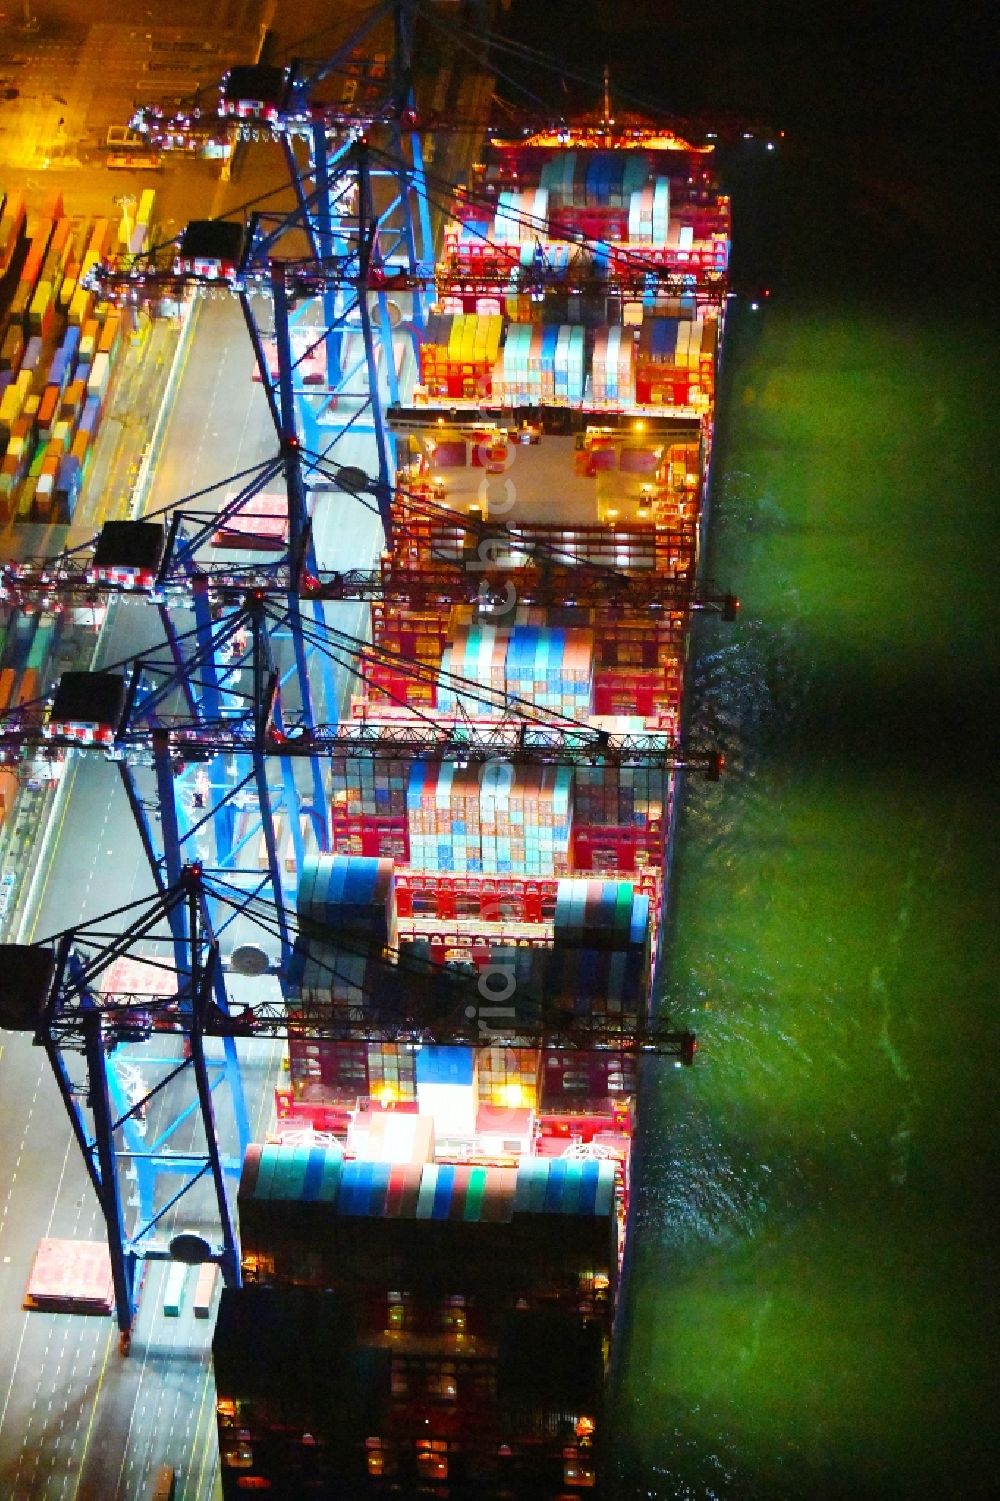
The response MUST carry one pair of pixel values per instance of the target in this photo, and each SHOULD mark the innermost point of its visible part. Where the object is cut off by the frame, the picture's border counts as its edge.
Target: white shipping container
(100, 374)
(611, 376)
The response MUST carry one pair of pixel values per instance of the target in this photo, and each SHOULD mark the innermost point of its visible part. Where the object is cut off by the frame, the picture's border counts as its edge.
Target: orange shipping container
(109, 333)
(8, 790)
(47, 407)
(33, 261)
(7, 677)
(88, 338)
(98, 238)
(28, 688)
(59, 246)
(73, 399)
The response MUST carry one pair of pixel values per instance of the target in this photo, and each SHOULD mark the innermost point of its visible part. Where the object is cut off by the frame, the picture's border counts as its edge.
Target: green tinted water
(810, 1306)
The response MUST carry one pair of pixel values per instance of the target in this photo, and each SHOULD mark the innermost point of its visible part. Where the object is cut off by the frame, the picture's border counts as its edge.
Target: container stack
(522, 217)
(526, 818)
(359, 1273)
(346, 906)
(417, 636)
(620, 817)
(552, 668)
(573, 1082)
(458, 352)
(332, 1075)
(606, 915)
(639, 667)
(595, 177)
(59, 348)
(447, 1089)
(599, 982)
(349, 898)
(600, 964)
(676, 361)
(612, 370)
(543, 363)
(368, 808)
(649, 213)
(497, 819)
(477, 654)
(590, 192)
(465, 813)
(509, 1078)
(27, 644)
(392, 1074)
(331, 1072)
(320, 973)
(429, 815)
(443, 817)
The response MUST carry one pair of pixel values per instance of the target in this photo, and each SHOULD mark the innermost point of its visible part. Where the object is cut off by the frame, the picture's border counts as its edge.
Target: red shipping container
(575, 1079)
(617, 847)
(648, 695)
(372, 836)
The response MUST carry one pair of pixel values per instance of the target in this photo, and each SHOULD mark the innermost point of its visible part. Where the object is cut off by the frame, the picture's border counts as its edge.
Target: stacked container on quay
(432, 1239)
(60, 346)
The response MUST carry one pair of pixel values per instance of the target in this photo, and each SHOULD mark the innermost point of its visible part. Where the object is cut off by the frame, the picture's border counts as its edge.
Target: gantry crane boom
(53, 992)
(73, 580)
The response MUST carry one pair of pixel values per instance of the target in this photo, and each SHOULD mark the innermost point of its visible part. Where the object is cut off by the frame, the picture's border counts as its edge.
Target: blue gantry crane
(222, 718)
(143, 1064)
(142, 1093)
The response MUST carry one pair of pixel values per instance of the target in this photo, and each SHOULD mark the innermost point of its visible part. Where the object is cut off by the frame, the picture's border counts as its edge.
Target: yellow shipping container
(456, 337)
(79, 308)
(68, 285)
(40, 302)
(26, 498)
(11, 403)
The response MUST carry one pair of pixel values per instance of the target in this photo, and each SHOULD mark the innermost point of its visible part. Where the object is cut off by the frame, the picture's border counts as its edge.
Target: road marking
(51, 857)
(111, 1339)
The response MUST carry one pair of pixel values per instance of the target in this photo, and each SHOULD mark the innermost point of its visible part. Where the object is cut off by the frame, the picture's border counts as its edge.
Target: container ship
(432, 1237)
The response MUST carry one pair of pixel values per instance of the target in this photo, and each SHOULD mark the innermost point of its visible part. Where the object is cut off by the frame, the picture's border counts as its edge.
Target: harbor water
(811, 1307)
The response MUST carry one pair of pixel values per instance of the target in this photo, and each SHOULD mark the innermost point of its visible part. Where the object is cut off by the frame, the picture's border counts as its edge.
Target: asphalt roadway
(77, 1420)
